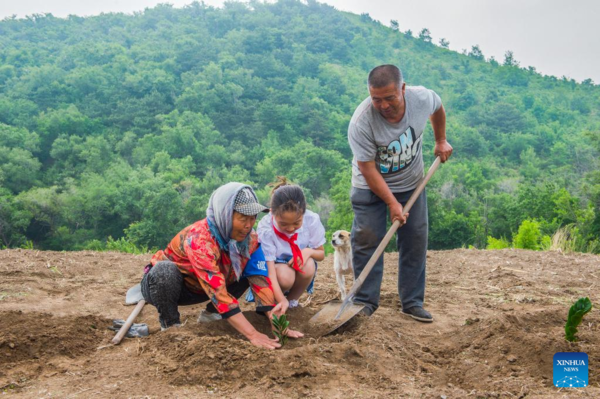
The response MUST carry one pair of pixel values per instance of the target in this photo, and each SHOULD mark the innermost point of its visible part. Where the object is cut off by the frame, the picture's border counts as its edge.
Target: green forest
(115, 129)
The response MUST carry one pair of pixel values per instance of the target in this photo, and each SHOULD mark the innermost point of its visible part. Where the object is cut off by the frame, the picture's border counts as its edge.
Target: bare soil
(499, 318)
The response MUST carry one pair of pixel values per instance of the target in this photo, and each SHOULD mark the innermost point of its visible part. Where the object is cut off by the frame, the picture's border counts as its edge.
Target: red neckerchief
(297, 258)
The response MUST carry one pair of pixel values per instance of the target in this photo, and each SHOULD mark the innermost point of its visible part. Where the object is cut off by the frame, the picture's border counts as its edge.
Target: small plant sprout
(280, 327)
(576, 313)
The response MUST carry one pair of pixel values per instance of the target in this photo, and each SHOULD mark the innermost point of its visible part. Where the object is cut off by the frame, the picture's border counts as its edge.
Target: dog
(342, 258)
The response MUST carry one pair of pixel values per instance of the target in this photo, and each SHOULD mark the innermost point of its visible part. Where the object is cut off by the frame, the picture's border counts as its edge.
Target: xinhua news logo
(570, 370)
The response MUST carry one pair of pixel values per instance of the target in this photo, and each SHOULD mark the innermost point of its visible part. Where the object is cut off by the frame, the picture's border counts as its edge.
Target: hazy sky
(556, 37)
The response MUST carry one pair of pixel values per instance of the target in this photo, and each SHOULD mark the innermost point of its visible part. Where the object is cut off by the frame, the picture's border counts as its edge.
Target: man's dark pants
(369, 228)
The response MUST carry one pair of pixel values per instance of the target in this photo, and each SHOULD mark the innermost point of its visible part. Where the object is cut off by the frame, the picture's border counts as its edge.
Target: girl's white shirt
(310, 235)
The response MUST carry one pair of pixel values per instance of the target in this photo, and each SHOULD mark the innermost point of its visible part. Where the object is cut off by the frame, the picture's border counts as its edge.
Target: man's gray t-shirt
(396, 148)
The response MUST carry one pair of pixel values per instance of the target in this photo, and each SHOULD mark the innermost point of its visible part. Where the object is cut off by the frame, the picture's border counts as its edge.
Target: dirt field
(499, 318)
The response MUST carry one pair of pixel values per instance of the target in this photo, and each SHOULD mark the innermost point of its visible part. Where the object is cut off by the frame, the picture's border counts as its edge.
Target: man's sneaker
(367, 310)
(418, 313)
(207, 317)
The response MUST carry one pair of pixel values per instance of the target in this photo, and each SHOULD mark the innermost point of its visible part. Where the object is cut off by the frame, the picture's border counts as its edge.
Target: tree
(471, 143)
(476, 53)
(315, 173)
(466, 99)
(162, 219)
(425, 35)
(506, 118)
(394, 25)
(45, 206)
(587, 82)
(594, 178)
(365, 17)
(450, 229)
(509, 59)
(14, 220)
(19, 137)
(528, 236)
(69, 121)
(342, 215)
(18, 169)
(444, 43)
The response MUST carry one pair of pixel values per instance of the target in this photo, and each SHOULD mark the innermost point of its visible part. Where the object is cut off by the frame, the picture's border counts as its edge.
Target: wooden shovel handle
(363, 275)
(117, 339)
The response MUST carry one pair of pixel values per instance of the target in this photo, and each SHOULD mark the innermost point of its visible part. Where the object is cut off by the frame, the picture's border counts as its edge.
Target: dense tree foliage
(122, 125)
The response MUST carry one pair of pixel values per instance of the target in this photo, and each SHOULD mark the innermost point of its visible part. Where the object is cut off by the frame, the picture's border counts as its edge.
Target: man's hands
(438, 122)
(442, 149)
(396, 213)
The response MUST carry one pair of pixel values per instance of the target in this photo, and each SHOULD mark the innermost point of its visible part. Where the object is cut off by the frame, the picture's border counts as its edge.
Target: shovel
(337, 313)
(133, 296)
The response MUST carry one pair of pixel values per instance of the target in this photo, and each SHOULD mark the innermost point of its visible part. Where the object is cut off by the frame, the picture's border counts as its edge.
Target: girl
(292, 239)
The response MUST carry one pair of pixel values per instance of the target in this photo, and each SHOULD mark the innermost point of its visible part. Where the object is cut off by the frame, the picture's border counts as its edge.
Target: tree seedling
(280, 326)
(576, 313)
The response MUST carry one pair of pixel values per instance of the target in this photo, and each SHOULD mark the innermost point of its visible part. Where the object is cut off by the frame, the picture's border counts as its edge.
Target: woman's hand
(281, 307)
(243, 326)
(263, 341)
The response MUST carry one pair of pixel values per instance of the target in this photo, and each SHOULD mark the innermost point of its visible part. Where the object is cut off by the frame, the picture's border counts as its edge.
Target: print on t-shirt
(399, 154)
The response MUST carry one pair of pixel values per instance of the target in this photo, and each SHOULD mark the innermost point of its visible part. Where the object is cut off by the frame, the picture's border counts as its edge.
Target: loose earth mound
(499, 318)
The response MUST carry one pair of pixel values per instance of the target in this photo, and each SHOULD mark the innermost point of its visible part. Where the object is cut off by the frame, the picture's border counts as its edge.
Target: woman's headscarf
(220, 220)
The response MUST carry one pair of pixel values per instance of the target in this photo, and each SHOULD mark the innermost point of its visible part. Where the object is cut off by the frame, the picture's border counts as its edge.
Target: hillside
(499, 318)
(122, 125)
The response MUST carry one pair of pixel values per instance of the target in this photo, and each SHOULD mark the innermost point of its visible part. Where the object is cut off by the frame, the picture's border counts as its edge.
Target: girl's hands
(281, 307)
(289, 332)
(294, 334)
(307, 253)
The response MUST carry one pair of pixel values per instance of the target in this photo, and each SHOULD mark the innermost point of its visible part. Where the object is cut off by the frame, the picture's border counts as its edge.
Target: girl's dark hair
(286, 197)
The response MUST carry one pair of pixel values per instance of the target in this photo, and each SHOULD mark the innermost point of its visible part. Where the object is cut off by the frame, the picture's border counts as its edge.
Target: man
(385, 136)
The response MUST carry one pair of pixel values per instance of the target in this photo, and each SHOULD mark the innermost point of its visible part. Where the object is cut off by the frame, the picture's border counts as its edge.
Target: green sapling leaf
(280, 326)
(576, 313)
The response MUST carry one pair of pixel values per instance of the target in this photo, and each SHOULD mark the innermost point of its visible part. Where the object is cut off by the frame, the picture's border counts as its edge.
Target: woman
(215, 259)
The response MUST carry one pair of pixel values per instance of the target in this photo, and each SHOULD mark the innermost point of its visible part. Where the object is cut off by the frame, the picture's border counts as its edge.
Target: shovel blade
(326, 319)
(134, 295)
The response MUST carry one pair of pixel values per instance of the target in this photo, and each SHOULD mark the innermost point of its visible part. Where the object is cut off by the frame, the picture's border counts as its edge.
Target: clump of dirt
(40, 336)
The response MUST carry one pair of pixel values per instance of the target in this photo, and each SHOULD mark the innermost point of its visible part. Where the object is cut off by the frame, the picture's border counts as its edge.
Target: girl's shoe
(293, 304)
